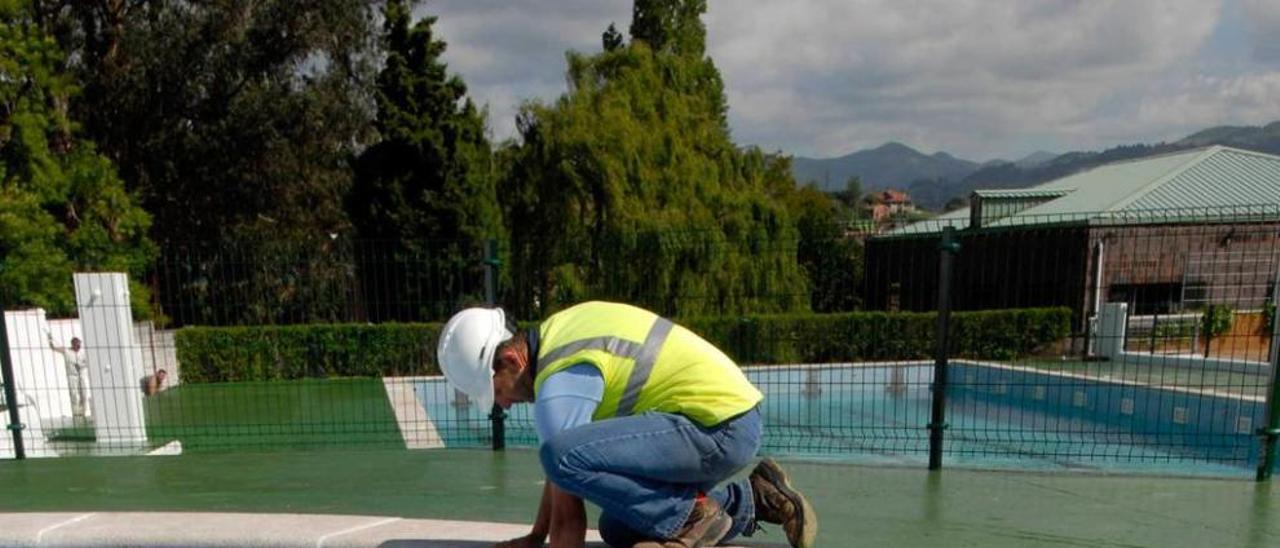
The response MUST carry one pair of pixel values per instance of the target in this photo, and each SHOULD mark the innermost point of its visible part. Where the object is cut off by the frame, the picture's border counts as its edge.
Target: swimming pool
(998, 416)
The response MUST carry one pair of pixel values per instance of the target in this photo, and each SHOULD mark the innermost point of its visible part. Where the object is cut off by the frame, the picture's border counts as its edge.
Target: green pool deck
(858, 505)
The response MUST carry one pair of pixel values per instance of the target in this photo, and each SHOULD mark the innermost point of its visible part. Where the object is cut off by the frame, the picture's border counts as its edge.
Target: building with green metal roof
(1167, 233)
(1190, 186)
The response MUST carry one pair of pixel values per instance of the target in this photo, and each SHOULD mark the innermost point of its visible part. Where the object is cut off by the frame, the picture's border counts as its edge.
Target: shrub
(1218, 319)
(224, 354)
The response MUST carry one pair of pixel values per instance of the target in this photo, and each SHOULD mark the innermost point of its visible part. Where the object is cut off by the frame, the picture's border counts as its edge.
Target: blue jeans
(644, 471)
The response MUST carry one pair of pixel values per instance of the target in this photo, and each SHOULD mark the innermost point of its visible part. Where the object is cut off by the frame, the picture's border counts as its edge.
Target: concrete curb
(277, 530)
(216, 529)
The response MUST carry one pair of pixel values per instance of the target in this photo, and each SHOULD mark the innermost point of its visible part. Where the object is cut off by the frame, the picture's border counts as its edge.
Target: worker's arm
(541, 525)
(568, 519)
(567, 400)
(52, 346)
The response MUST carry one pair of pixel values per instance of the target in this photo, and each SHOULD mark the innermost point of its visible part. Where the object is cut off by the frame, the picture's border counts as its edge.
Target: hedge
(223, 354)
(256, 353)
(870, 336)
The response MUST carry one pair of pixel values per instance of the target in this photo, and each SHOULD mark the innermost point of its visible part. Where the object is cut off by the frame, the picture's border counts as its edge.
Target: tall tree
(851, 196)
(612, 39)
(832, 260)
(425, 188)
(674, 29)
(629, 187)
(237, 123)
(671, 26)
(62, 206)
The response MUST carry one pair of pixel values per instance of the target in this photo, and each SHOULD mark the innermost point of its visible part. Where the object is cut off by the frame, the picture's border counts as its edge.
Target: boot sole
(808, 519)
(723, 530)
(712, 538)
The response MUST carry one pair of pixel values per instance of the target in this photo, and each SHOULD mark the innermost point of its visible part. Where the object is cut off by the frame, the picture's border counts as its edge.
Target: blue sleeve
(567, 399)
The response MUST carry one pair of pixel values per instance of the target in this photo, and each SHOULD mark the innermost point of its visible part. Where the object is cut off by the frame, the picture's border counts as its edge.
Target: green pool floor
(858, 506)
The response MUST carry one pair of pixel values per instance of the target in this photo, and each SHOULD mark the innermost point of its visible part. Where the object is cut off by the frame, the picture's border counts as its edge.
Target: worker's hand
(527, 541)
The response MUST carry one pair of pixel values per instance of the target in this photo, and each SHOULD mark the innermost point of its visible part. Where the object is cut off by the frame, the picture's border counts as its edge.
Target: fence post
(497, 415)
(1270, 431)
(938, 420)
(1155, 321)
(11, 401)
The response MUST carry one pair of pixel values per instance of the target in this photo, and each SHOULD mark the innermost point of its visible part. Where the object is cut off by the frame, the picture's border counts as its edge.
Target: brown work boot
(707, 524)
(777, 502)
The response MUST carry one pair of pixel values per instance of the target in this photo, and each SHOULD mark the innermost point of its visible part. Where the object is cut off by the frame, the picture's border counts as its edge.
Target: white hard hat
(466, 349)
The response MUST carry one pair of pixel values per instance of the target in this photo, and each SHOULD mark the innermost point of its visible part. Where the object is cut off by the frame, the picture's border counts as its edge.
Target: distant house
(887, 204)
(1166, 234)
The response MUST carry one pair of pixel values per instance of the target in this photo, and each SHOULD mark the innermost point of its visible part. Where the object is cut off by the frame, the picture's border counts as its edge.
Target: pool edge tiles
(405, 403)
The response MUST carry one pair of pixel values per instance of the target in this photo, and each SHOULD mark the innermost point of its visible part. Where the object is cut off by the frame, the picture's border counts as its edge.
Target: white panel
(114, 360)
(40, 381)
(38, 371)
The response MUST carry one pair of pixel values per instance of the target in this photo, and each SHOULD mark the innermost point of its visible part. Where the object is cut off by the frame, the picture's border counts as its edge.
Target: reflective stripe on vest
(645, 355)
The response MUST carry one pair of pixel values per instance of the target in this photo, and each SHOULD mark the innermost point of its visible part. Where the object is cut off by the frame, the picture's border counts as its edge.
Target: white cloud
(1263, 21)
(954, 75)
(979, 78)
(509, 51)
(1206, 101)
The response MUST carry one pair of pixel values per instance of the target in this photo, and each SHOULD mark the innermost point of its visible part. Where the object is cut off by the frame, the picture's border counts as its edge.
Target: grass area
(274, 415)
(76, 433)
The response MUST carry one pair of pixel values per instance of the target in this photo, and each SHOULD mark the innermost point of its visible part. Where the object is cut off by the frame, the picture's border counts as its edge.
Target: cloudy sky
(980, 79)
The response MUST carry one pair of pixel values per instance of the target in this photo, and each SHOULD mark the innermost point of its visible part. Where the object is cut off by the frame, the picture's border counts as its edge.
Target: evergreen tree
(851, 196)
(425, 189)
(628, 187)
(832, 260)
(612, 39)
(671, 26)
(236, 122)
(62, 207)
(673, 29)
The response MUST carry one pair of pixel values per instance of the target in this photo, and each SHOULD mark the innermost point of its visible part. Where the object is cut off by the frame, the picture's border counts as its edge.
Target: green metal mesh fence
(1135, 342)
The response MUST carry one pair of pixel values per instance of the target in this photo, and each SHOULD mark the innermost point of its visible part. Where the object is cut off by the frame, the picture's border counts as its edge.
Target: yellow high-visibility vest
(648, 363)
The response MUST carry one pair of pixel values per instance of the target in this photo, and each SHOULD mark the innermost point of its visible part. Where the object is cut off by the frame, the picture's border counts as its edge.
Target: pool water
(996, 417)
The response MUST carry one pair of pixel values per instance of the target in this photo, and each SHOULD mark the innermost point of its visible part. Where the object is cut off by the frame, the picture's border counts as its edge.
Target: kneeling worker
(635, 414)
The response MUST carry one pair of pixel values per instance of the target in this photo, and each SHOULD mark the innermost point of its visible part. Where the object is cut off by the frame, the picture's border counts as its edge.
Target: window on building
(1144, 299)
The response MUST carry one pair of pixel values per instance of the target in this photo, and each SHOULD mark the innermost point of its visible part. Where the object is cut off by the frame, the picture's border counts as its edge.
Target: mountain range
(933, 180)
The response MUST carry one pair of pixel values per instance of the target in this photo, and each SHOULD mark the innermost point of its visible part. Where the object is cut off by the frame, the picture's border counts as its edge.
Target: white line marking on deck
(77, 519)
(322, 540)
